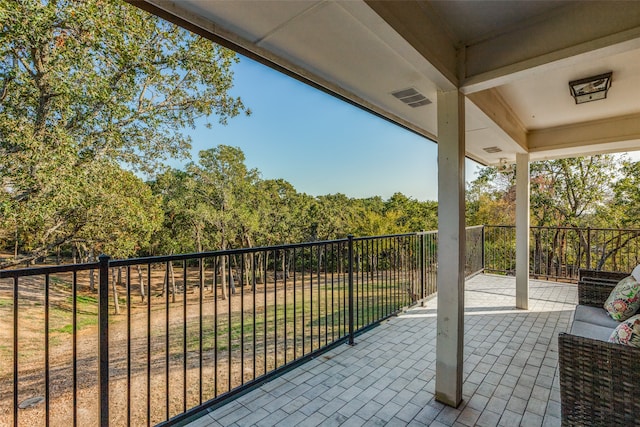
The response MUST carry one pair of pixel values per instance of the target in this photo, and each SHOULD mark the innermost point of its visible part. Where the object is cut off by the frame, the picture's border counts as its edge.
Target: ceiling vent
(492, 149)
(411, 97)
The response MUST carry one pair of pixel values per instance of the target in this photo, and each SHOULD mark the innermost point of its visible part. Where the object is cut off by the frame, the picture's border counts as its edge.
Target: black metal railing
(474, 250)
(557, 253)
(164, 337)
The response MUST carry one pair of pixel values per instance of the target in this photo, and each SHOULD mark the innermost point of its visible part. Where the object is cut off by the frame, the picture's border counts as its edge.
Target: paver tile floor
(388, 377)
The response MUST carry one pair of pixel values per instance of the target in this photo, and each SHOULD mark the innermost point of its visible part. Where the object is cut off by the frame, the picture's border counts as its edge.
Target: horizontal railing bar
(218, 253)
(52, 269)
(547, 227)
(66, 268)
(366, 238)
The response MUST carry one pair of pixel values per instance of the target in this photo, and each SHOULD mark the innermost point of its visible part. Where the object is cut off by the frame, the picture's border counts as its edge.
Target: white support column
(451, 248)
(522, 231)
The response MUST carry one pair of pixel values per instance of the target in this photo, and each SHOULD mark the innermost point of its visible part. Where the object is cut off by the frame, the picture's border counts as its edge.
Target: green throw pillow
(627, 332)
(624, 300)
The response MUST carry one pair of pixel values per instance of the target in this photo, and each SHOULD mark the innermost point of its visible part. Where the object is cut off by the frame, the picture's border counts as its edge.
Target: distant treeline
(216, 203)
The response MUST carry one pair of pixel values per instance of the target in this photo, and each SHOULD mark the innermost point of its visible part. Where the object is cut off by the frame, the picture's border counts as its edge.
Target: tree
(224, 183)
(564, 192)
(626, 201)
(121, 215)
(86, 82)
(188, 214)
(568, 192)
(279, 208)
(411, 214)
(490, 198)
(332, 217)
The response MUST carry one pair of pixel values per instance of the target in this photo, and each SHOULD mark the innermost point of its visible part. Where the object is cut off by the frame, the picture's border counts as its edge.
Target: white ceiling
(512, 59)
(542, 100)
(467, 21)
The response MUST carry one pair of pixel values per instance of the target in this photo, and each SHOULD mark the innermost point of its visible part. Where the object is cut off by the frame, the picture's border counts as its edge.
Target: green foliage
(626, 200)
(89, 88)
(569, 192)
(597, 191)
(218, 203)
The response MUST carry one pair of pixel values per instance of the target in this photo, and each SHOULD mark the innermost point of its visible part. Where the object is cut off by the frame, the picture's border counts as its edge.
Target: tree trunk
(201, 267)
(256, 270)
(92, 279)
(284, 266)
(289, 265)
(114, 287)
(223, 277)
(232, 281)
(15, 246)
(142, 295)
(165, 282)
(247, 264)
(247, 260)
(198, 240)
(214, 279)
(169, 274)
(174, 291)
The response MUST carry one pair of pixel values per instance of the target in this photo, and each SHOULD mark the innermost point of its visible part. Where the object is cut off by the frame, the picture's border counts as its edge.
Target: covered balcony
(317, 333)
(500, 83)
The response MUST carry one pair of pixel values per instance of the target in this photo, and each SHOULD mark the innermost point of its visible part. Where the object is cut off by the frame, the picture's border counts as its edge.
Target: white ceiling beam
(419, 26)
(600, 133)
(578, 31)
(496, 108)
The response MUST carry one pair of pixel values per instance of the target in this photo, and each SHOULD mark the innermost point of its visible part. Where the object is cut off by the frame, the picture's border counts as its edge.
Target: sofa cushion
(624, 300)
(627, 332)
(589, 330)
(594, 315)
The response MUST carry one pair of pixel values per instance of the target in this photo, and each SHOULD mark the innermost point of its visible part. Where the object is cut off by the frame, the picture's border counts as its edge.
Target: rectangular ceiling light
(411, 97)
(591, 88)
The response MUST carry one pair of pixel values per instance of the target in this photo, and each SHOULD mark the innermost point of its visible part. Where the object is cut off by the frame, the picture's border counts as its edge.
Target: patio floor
(388, 377)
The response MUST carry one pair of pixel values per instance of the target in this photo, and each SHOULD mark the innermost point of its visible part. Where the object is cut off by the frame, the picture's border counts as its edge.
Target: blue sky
(320, 144)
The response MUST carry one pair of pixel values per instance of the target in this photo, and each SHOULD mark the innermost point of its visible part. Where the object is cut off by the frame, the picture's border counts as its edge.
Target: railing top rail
(52, 269)
(35, 271)
(387, 236)
(211, 254)
(549, 227)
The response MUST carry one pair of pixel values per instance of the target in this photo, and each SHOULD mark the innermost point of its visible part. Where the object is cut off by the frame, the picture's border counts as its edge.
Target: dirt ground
(249, 329)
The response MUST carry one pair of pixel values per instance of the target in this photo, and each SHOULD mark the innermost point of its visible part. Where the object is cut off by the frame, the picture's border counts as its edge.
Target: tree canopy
(218, 203)
(598, 191)
(89, 88)
(96, 94)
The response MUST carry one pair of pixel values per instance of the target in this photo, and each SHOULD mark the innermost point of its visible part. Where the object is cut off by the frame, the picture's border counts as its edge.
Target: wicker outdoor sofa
(599, 381)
